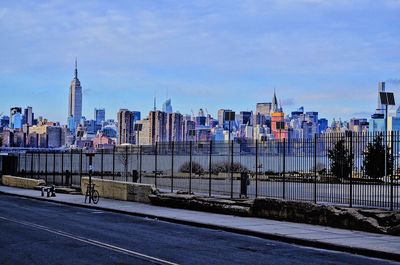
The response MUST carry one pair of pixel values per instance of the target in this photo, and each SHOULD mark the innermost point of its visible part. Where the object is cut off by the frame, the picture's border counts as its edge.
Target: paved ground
(38, 232)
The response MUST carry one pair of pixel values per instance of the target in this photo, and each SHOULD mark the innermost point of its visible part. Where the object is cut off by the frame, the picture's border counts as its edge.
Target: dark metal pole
(315, 168)
(351, 169)
(80, 166)
(62, 168)
(113, 164)
(231, 169)
(140, 164)
(256, 168)
(31, 165)
(155, 164)
(283, 168)
(190, 167)
(391, 172)
(172, 165)
(45, 172)
(90, 178)
(71, 168)
(209, 170)
(102, 163)
(54, 167)
(126, 163)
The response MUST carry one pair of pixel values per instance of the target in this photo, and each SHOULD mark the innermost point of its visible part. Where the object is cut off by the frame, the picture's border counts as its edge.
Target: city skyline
(323, 56)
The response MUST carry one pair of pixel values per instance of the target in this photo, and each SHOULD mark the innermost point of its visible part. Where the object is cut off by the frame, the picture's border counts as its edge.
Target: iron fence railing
(346, 169)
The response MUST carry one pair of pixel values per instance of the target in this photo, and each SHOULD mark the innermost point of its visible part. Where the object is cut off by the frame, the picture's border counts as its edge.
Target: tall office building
(99, 116)
(245, 117)
(167, 107)
(174, 127)
(274, 104)
(15, 118)
(28, 116)
(158, 126)
(126, 134)
(75, 97)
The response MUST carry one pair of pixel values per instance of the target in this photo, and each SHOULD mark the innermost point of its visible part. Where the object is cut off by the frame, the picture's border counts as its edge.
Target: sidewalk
(369, 244)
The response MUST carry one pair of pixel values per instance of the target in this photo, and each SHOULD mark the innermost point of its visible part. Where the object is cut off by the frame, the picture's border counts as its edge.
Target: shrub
(342, 160)
(224, 167)
(196, 168)
(374, 160)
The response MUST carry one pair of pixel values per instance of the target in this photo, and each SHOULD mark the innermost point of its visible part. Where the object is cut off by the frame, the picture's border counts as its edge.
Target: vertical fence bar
(283, 168)
(256, 168)
(209, 170)
(38, 169)
(70, 167)
(102, 163)
(25, 158)
(32, 164)
(315, 168)
(62, 168)
(45, 163)
(155, 164)
(54, 167)
(113, 163)
(140, 163)
(190, 166)
(80, 165)
(351, 169)
(231, 168)
(172, 165)
(393, 168)
(126, 163)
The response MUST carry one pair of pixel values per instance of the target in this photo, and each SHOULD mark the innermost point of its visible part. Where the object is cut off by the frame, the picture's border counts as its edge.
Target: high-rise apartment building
(174, 127)
(75, 97)
(158, 126)
(381, 88)
(126, 132)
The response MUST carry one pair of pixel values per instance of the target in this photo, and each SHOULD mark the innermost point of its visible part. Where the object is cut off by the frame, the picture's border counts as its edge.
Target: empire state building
(75, 98)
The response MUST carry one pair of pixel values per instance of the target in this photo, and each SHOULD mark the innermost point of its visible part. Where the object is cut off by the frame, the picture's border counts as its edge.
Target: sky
(327, 56)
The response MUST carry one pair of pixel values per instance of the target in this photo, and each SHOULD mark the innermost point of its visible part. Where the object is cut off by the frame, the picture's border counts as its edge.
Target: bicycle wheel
(95, 196)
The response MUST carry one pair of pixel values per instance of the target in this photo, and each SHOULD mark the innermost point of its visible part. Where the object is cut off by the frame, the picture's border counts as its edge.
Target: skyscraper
(99, 116)
(125, 127)
(158, 126)
(167, 107)
(28, 116)
(174, 127)
(75, 97)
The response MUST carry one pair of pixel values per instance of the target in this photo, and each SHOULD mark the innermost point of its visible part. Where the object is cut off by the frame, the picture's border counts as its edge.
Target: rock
(395, 230)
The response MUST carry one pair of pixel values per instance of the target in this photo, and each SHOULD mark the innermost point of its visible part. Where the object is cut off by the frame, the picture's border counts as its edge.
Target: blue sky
(324, 55)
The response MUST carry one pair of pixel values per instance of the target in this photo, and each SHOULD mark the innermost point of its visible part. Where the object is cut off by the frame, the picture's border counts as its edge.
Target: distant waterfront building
(245, 117)
(75, 98)
(99, 116)
(264, 108)
(126, 134)
(274, 104)
(16, 121)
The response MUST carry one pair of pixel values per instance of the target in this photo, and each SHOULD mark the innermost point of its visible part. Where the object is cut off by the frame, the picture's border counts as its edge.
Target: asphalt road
(34, 232)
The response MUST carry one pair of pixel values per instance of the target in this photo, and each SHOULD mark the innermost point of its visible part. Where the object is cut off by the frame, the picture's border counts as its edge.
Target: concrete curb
(287, 239)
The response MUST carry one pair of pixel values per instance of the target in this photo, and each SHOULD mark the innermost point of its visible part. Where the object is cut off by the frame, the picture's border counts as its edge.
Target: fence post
(351, 169)
(71, 168)
(190, 166)
(283, 168)
(315, 168)
(114, 162)
(62, 167)
(31, 165)
(256, 168)
(391, 172)
(80, 165)
(140, 163)
(54, 167)
(25, 166)
(126, 163)
(155, 165)
(172, 165)
(45, 173)
(38, 169)
(102, 163)
(231, 169)
(209, 170)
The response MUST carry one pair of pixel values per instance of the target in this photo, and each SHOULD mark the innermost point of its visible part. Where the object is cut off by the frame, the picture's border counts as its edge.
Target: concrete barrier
(120, 190)
(18, 182)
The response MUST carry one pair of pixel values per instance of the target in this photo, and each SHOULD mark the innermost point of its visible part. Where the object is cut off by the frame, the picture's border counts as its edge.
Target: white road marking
(92, 242)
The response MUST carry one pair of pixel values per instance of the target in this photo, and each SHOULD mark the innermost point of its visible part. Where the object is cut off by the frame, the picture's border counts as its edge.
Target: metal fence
(345, 169)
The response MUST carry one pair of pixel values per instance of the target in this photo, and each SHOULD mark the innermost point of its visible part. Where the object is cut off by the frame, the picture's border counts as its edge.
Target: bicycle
(92, 194)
